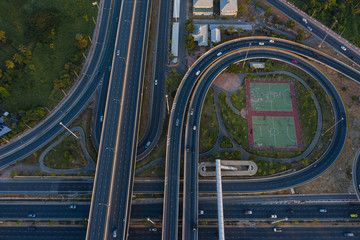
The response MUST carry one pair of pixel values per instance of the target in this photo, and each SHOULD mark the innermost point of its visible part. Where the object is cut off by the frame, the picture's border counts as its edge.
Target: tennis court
(270, 96)
(271, 132)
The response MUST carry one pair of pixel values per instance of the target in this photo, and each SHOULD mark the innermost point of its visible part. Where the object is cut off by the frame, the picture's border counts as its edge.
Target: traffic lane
(44, 211)
(121, 182)
(42, 233)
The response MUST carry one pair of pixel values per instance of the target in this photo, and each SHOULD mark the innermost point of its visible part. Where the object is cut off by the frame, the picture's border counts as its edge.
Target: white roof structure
(203, 4)
(215, 35)
(257, 65)
(228, 7)
(176, 12)
(201, 34)
(175, 39)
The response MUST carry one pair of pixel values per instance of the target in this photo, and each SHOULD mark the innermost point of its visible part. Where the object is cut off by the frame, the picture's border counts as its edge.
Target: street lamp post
(328, 33)
(246, 55)
(68, 130)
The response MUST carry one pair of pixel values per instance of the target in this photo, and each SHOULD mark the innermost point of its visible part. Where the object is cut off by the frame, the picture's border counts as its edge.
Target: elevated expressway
(210, 65)
(111, 199)
(356, 173)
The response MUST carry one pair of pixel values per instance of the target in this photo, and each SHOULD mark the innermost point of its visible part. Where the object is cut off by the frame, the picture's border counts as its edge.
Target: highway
(75, 101)
(304, 207)
(119, 203)
(356, 173)
(109, 142)
(318, 29)
(191, 81)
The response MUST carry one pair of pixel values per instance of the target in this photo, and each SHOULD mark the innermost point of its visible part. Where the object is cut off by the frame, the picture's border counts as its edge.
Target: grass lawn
(209, 126)
(226, 143)
(66, 155)
(33, 86)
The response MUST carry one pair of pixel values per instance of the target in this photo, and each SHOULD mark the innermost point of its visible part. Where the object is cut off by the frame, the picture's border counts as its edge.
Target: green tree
(290, 24)
(231, 29)
(2, 36)
(268, 10)
(234, 68)
(18, 58)
(189, 26)
(189, 42)
(4, 93)
(300, 36)
(81, 41)
(241, 8)
(9, 64)
(222, 28)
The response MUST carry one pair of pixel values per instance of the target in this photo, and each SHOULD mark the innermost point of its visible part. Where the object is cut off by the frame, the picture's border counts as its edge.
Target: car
(322, 210)
(156, 82)
(115, 233)
(261, 43)
(177, 122)
(72, 206)
(294, 61)
(353, 215)
(348, 234)
(315, 54)
(309, 28)
(194, 128)
(192, 112)
(273, 216)
(197, 73)
(32, 215)
(271, 41)
(343, 48)
(231, 48)
(152, 229)
(97, 73)
(117, 52)
(219, 53)
(248, 212)
(109, 68)
(201, 212)
(187, 148)
(147, 144)
(304, 20)
(101, 118)
(194, 227)
(277, 229)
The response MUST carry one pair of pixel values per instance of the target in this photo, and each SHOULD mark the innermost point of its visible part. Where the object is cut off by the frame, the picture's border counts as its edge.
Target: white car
(271, 41)
(309, 28)
(277, 230)
(156, 82)
(194, 128)
(117, 52)
(273, 216)
(304, 20)
(197, 73)
(219, 53)
(343, 48)
(261, 43)
(201, 212)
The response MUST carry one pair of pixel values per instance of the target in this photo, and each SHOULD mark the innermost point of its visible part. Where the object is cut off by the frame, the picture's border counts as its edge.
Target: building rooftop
(201, 34)
(203, 4)
(228, 6)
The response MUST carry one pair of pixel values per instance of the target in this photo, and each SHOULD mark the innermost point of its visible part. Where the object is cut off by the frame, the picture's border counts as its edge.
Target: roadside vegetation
(66, 155)
(42, 48)
(346, 13)
(226, 142)
(209, 126)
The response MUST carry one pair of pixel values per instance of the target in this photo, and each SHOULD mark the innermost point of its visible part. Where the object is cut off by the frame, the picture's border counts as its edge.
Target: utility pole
(167, 103)
(68, 130)
(332, 126)
(328, 33)
(246, 55)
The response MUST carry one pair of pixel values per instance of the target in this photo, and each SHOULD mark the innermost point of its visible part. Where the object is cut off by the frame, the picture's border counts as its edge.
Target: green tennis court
(270, 96)
(274, 132)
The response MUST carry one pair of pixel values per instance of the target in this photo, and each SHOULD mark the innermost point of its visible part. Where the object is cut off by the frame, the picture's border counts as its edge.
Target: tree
(300, 36)
(268, 9)
(18, 58)
(9, 64)
(42, 25)
(189, 26)
(189, 42)
(2, 37)
(4, 93)
(81, 41)
(231, 29)
(241, 8)
(234, 68)
(222, 28)
(290, 24)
